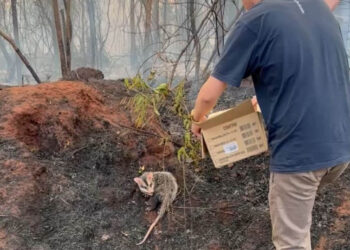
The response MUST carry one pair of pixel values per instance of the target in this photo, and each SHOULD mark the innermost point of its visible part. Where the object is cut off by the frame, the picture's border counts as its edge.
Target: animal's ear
(149, 177)
(138, 180)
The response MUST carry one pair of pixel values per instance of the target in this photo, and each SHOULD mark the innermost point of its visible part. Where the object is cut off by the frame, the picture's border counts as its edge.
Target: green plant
(190, 150)
(136, 83)
(147, 99)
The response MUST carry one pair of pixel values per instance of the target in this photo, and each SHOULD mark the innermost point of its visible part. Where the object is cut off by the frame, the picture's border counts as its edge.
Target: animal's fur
(163, 187)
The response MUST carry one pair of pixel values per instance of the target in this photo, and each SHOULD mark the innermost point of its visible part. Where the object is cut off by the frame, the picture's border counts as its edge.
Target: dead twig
(79, 149)
(64, 201)
(9, 215)
(147, 133)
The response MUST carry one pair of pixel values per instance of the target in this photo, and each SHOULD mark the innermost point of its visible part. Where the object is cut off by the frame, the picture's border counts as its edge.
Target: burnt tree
(16, 36)
(63, 34)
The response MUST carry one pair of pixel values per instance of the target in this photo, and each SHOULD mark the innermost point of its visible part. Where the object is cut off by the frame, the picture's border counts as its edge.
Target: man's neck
(248, 4)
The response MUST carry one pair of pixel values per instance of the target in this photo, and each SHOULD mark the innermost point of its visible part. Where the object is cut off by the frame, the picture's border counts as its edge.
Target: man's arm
(235, 63)
(207, 97)
(332, 4)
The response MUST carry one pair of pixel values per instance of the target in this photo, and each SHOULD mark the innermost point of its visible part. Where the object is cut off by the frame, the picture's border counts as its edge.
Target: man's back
(300, 71)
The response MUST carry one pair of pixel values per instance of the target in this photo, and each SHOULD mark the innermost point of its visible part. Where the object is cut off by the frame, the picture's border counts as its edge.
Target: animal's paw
(150, 207)
(152, 203)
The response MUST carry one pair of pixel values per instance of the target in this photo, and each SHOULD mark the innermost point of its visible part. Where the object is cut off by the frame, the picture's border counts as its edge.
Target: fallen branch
(9, 215)
(19, 53)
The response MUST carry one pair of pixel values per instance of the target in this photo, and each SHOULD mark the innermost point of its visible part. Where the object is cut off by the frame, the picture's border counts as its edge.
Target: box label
(230, 147)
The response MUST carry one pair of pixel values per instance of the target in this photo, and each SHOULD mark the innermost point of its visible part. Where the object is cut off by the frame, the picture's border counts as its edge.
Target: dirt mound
(52, 116)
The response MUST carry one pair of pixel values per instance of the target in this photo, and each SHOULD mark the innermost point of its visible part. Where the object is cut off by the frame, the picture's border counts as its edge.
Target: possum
(162, 187)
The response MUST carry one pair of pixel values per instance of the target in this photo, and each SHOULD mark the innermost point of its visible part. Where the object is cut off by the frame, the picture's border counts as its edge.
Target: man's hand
(206, 100)
(196, 130)
(255, 103)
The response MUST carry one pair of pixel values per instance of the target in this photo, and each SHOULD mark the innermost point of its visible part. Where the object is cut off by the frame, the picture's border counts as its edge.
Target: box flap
(216, 118)
(204, 147)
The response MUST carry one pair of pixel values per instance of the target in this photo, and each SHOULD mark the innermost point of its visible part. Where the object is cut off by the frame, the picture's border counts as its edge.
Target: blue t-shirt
(295, 53)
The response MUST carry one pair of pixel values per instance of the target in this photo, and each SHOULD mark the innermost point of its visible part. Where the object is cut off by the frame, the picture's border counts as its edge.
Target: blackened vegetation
(84, 196)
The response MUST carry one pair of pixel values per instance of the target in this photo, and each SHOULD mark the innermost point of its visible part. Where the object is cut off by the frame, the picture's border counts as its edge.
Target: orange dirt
(52, 116)
(339, 225)
(321, 244)
(344, 209)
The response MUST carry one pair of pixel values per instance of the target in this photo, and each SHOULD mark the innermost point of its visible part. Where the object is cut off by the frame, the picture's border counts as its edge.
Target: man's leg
(291, 199)
(332, 174)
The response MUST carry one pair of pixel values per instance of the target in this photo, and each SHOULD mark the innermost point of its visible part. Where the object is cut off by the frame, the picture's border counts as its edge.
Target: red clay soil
(52, 116)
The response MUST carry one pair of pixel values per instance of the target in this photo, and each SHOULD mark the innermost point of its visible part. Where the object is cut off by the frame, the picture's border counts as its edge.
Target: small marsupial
(163, 188)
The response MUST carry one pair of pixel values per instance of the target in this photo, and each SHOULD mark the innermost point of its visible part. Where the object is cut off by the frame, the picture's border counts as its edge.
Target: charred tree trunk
(64, 33)
(68, 32)
(19, 53)
(165, 9)
(83, 42)
(192, 17)
(16, 36)
(156, 25)
(148, 24)
(92, 40)
(220, 35)
(133, 54)
(56, 14)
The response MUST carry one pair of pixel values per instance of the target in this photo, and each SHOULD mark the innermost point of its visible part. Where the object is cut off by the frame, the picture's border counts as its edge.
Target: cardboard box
(233, 134)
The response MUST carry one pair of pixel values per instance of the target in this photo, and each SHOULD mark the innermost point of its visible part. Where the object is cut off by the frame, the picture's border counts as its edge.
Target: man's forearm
(207, 97)
(202, 108)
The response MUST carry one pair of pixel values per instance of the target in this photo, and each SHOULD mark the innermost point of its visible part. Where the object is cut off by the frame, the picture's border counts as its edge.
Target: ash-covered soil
(68, 155)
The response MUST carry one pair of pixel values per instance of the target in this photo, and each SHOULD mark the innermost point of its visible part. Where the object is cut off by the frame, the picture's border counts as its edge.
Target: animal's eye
(144, 187)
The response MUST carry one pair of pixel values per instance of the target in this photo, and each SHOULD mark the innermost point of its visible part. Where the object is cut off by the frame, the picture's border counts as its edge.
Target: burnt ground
(69, 152)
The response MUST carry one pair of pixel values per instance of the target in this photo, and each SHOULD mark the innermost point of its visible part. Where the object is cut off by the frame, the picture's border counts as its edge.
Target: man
(294, 52)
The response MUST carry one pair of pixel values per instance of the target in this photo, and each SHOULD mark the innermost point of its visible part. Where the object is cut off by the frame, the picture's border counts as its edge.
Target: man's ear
(139, 181)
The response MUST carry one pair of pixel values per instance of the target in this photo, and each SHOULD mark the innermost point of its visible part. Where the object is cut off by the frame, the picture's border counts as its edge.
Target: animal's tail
(162, 211)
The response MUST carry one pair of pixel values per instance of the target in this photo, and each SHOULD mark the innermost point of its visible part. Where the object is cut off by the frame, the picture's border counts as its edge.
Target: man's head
(248, 4)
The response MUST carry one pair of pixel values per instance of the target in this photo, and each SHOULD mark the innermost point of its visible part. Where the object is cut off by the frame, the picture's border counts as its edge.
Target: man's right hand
(255, 104)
